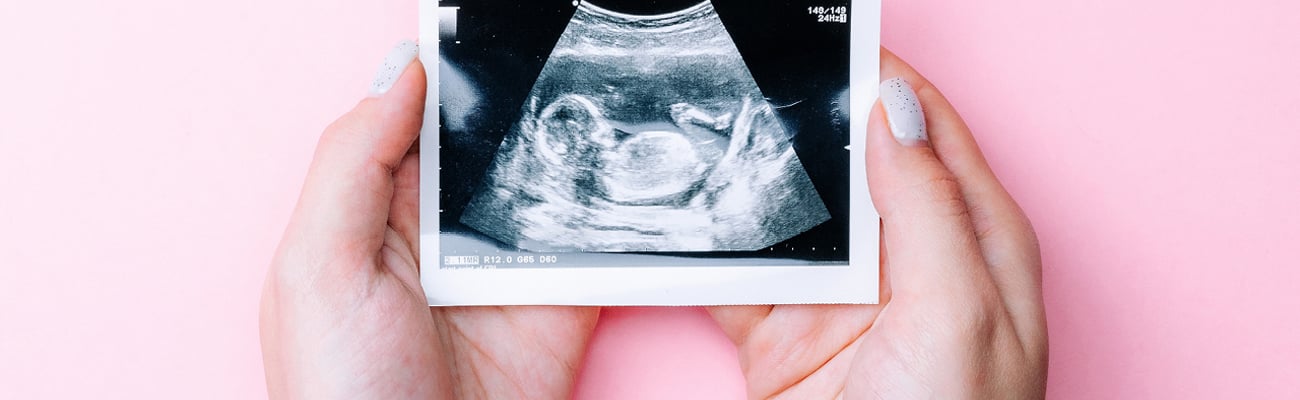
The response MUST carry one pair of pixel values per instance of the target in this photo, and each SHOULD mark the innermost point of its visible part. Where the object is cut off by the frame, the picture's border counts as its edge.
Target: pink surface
(150, 153)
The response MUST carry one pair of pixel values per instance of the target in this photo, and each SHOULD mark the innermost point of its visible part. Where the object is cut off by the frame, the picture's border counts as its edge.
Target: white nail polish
(401, 56)
(906, 119)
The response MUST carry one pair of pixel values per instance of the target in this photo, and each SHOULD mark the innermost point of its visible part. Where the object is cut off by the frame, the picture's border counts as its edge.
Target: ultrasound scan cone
(645, 133)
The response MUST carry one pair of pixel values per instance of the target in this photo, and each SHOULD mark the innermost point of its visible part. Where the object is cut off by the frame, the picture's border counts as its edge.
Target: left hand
(343, 314)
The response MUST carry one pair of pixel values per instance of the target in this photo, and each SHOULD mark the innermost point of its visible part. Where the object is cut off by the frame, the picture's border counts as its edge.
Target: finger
(404, 214)
(345, 201)
(779, 346)
(886, 291)
(1004, 234)
(738, 321)
(930, 238)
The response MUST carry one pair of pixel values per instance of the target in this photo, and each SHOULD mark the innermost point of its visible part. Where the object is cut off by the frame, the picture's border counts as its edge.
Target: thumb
(345, 202)
(928, 231)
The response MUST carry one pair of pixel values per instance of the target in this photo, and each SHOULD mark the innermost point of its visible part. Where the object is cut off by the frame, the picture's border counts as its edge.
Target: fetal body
(645, 134)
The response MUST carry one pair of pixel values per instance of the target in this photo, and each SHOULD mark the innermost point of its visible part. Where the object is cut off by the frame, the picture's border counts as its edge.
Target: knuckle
(1015, 229)
(978, 318)
(1030, 235)
(346, 128)
(943, 194)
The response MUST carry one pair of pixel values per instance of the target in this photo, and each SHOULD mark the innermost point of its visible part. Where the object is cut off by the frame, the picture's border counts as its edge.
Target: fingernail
(401, 56)
(906, 119)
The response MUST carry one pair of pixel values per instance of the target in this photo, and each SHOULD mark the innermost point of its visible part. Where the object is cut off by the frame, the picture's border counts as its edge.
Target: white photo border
(857, 283)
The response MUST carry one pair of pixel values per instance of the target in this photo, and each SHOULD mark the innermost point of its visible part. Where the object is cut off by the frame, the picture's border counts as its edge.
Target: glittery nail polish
(903, 109)
(401, 56)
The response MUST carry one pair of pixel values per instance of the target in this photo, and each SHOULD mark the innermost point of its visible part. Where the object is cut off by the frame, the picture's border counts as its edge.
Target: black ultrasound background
(800, 65)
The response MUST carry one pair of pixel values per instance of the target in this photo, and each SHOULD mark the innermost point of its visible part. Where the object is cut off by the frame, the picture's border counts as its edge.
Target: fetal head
(651, 165)
(575, 118)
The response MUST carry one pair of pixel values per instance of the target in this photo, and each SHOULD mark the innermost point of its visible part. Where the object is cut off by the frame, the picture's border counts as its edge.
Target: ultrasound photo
(607, 133)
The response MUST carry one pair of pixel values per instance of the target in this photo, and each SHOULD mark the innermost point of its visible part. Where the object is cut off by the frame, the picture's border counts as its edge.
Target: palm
(514, 352)
(829, 351)
(961, 312)
(343, 312)
(488, 352)
(797, 351)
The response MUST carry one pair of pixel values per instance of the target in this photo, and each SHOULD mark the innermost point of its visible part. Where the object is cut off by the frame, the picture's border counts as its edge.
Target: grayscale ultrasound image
(646, 128)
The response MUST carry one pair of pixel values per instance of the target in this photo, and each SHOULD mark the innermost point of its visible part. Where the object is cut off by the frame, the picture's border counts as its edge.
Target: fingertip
(394, 65)
(409, 88)
(879, 140)
(881, 147)
(387, 125)
(892, 162)
(402, 113)
(347, 197)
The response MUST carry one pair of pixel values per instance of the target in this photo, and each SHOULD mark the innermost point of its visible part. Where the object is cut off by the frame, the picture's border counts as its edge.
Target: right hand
(961, 313)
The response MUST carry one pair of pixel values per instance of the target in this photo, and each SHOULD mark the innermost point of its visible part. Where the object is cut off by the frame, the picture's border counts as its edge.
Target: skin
(961, 313)
(343, 315)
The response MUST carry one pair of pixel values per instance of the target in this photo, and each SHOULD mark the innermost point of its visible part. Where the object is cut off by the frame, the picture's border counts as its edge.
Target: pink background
(150, 152)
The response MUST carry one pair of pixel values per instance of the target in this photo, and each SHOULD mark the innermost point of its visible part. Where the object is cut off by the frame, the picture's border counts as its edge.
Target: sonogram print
(645, 133)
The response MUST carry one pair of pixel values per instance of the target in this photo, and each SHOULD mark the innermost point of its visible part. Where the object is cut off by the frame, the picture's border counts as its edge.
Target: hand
(961, 313)
(343, 315)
